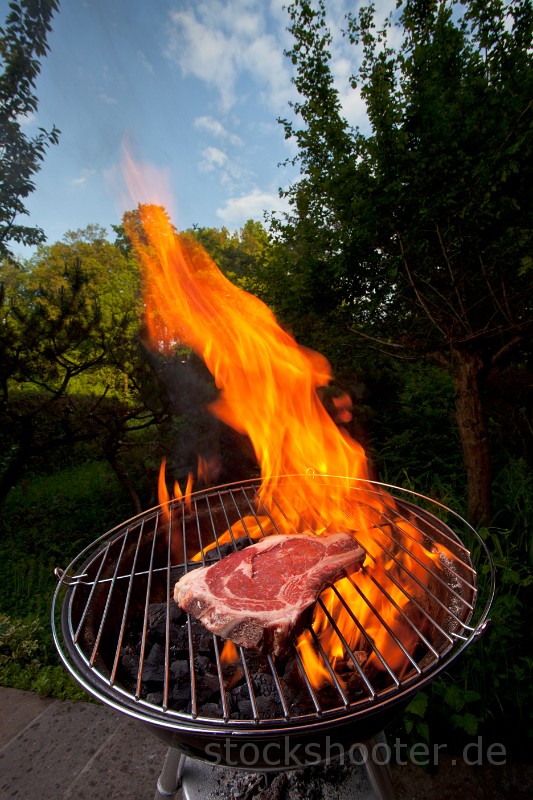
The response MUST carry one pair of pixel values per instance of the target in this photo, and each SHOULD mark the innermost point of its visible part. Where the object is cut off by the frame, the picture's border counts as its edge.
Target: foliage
(488, 691)
(413, 432)
(46, 522)
(72, 366)
(87, 411)
(418, 235)
(22, 45)
(414, 717)
(239, 255)
(23, 661)
(17, 640)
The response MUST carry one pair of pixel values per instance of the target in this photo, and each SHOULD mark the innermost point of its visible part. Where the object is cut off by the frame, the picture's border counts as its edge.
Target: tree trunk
(12, 474)
(20, 455)
(473, 433)
(125, 481)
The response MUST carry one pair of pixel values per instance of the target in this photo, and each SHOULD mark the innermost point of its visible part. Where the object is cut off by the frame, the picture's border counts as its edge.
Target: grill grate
(113, 587)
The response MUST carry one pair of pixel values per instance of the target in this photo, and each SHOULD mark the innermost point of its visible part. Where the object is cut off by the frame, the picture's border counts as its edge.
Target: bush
(46, 523)
(24, 660)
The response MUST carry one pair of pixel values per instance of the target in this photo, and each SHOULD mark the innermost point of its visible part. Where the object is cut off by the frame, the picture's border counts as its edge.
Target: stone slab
(18, 709)
(76, 750)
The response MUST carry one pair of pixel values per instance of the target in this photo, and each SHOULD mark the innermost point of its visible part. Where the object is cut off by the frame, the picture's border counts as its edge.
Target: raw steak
(263, 596)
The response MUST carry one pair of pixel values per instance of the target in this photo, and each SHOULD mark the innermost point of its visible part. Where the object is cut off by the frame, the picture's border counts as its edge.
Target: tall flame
(268, 390)
(268, 383)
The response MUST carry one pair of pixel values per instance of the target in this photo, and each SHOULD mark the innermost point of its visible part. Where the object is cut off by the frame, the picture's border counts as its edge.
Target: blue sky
(195, 87)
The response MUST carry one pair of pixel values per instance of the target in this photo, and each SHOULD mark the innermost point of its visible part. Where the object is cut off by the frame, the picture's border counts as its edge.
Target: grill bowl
(104, 599)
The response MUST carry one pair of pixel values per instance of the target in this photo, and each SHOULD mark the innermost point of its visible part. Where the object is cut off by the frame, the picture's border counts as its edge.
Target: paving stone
(74, 750)
(18, 709)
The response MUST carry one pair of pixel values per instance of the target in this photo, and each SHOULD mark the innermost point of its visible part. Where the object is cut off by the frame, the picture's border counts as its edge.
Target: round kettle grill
(111, 595)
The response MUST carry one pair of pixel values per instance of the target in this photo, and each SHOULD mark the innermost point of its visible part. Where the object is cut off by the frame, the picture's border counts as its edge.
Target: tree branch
(419, 297)
(452, 276)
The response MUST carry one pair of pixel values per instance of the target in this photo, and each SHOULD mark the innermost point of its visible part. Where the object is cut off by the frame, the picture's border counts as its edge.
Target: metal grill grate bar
(126, 608)
(146, 611)
(406, 534)
(108, 601)
(224, 699)
(406, 618)
(303, 673)
(166, 681)
(367, 638)
(424, 587)
(329, 668)
(249, 686)
(347, 648)
(89, 599)
(279, 690)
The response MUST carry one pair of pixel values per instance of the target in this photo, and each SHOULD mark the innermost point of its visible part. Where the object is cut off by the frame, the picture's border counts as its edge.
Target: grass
(46, 522)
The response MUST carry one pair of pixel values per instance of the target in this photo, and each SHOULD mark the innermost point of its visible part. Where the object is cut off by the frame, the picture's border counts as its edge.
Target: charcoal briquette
(154, 697)
(201, 664)
(154, 665)
(181, 697)
(179, 670)
(211, 710)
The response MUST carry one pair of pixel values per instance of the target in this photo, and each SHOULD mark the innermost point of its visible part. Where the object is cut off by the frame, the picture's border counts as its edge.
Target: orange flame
(268, 390)
(231, 665)
(267, 381)
(177, 494)
(162, 490)
(229, 653)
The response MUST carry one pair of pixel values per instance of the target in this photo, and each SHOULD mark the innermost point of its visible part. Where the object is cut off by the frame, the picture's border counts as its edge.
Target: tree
(22, 45)
(421, 231)
(239, 255)
(72, 368)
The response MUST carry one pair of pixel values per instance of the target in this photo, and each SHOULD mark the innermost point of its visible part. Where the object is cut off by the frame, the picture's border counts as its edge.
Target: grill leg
(169, 781)
(379, 774)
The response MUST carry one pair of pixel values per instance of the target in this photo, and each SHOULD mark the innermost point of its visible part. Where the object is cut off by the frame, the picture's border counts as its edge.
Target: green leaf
(422, 728)
(418, 705)
(466, 722)
(454, 697)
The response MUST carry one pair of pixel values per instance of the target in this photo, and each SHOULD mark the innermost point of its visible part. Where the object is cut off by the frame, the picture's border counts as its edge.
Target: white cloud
(221, 42)
(107, 99)
(204, 51)
(217, 129)
(237, 210)
(265, 61)
(27, 119)
(228, 171)
(148, 66)
(353, 106)
(236, 47)
(83, 177)
(212, 158)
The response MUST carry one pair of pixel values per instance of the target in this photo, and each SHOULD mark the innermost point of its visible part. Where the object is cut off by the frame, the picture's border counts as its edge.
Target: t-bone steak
(262, 596)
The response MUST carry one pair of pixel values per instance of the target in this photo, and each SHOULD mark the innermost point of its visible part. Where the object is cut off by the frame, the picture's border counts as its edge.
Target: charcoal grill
(106, 596)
